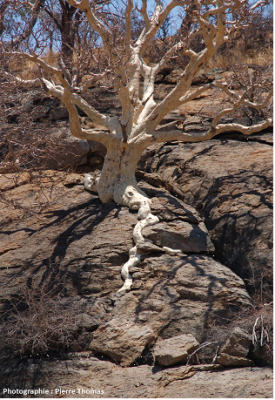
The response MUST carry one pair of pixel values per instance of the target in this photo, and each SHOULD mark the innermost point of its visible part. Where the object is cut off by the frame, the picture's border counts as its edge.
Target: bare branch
(128, 29)
(94, 22)
(194, 93)
(160, 135)
(155, 23)
(94, 115)
(94, 78)
(3, 8)
(51, 14)
(245, 130)
(143, 12)
(23, 82)
(35, 12)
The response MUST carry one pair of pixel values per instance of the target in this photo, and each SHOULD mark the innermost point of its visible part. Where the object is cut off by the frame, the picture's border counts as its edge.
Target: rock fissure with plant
(135, 200)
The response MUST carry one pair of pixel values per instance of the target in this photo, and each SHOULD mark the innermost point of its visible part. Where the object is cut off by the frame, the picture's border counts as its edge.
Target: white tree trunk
(117, 182)
(118, 175)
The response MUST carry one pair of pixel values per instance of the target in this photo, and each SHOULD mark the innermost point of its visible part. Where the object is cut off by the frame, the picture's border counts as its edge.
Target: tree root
(132, 197)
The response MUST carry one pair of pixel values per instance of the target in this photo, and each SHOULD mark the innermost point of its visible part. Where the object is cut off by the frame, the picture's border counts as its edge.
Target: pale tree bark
(139, 125)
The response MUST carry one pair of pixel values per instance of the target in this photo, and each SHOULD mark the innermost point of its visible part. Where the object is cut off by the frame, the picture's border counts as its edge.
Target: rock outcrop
(234, 351)
(84, 376)
(56, 234)
(229, 181)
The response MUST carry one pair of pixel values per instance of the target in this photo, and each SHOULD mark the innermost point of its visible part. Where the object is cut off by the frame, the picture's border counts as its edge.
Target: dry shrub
(25, 151)
(22, 150)
(38, 323)
(257, 321)
(26, 139)
(261, 57)
(223, 61)
(26, 69)
(25, 148)
(51, 58)
(22, 68)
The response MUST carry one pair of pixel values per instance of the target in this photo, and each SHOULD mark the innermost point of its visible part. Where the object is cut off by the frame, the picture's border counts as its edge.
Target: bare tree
(140, 124)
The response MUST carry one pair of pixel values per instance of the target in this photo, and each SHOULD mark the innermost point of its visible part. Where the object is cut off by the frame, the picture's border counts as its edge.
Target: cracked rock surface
(174, 350)
(229, 181)
(87, 373)
(79, 243)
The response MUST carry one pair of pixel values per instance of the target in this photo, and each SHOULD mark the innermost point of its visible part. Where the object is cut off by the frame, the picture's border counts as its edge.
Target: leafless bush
(24, 151)
(38, 323)
(257, 321)
(27, 119)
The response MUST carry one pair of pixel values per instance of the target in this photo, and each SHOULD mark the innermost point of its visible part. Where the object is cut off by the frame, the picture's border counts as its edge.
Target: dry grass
(227, 60)
(262, 57)
(26, 69)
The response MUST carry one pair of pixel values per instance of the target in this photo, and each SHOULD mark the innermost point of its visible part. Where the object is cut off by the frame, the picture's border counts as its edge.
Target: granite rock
(174, 350)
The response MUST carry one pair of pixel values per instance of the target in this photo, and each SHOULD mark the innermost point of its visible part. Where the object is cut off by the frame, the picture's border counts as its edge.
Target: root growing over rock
(133, 197)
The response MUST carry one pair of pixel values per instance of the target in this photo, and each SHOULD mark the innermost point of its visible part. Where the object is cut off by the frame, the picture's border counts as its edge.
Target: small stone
(237, 344)
(122, 340)
(176, 349)
(235, 350)
(233, 361)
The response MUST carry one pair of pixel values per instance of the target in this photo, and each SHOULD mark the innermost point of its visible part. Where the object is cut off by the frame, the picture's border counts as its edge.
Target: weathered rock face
(180, 235)
(57, 237)
(62, 236)
(54, 233)
(90, 377)
(229, 180)
(237, 344)
(170, 296)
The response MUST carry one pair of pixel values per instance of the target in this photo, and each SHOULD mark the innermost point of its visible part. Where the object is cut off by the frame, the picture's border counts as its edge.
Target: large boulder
(229, 181)
(122, 340)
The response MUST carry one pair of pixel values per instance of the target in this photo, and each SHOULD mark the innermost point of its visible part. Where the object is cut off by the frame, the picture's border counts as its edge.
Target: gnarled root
(135, 199)
(134, 253)
(91, 181)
